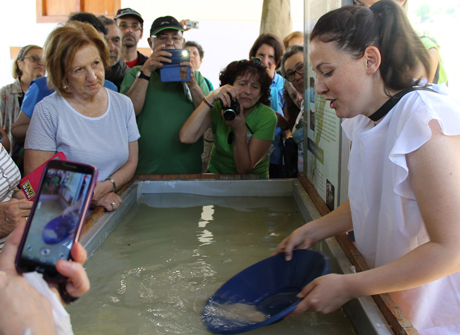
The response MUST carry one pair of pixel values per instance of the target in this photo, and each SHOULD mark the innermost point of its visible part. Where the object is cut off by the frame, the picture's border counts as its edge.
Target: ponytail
(383, 25)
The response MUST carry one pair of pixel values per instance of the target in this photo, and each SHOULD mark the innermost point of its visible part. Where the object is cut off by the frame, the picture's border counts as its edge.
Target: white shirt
(386, 218)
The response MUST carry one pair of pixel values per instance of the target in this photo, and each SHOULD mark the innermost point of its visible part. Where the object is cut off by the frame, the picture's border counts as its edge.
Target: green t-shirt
(441, 75)
(262, 121)
(165, 110)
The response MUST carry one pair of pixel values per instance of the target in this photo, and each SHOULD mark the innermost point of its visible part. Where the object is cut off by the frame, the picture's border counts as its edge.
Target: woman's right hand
(301, 238)
(11, 212)
(225, 93)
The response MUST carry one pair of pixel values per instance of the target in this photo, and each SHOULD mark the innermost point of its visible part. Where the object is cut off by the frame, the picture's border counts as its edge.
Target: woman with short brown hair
(85, 121)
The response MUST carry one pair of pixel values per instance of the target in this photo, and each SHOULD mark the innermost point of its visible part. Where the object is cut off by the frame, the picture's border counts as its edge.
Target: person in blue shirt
(269, 49)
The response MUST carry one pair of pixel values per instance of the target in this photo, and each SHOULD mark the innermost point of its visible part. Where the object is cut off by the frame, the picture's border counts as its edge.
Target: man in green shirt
(163, 107)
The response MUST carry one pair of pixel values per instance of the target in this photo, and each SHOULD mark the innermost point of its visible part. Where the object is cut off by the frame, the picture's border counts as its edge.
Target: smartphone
(192, 24)
(171, 71)
(56, 217)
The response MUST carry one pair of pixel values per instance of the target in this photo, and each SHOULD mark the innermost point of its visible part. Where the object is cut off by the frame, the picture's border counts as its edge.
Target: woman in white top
(404, 168)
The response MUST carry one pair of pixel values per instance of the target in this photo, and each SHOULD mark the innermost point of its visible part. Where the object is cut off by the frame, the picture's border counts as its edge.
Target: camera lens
(229, 114)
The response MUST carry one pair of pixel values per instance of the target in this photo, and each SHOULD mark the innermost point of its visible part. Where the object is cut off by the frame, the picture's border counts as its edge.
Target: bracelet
(65, 296)
(210, 105)
(113, 184)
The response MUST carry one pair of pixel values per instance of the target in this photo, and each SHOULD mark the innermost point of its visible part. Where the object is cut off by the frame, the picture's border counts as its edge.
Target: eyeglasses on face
(290, 75)
(34, 58)
(165, 38)
(134, 26)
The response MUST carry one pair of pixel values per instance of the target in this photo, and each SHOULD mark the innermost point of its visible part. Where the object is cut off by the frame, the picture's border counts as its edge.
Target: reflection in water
(156, 270)
(206, 236)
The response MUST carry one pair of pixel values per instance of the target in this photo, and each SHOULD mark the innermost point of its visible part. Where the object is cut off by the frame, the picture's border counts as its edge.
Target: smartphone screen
(56, 218)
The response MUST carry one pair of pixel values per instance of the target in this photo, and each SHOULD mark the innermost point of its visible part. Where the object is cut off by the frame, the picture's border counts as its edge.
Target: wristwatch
(140, 74)
(65, 296)
(113, 184)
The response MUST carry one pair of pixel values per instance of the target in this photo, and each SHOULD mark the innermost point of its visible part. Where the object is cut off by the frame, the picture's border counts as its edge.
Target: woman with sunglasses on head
(404, 187)
(241, 144)
(27, 67)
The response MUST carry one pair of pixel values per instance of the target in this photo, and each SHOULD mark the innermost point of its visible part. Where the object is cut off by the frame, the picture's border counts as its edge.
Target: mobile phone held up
(171, 71)
(56, 218)
(192, 24)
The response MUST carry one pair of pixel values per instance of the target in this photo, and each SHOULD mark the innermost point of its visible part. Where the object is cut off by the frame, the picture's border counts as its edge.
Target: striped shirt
(9, 179)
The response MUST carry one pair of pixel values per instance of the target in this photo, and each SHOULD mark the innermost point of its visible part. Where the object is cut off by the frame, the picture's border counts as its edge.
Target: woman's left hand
(324, 294)
(110, 201)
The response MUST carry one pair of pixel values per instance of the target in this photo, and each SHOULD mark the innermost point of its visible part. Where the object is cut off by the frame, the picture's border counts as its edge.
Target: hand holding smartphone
(56, 218)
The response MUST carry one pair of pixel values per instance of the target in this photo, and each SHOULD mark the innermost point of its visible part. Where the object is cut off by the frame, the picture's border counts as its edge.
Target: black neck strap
(387, 106)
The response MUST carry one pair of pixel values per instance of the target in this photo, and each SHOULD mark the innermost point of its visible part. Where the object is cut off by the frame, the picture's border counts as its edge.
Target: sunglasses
(34, 58)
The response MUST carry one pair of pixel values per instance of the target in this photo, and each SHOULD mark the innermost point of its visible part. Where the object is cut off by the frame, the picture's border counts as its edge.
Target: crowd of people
(104, 103)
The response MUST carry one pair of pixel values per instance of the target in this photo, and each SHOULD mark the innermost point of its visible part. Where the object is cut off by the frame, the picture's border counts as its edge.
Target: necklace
(390, 103)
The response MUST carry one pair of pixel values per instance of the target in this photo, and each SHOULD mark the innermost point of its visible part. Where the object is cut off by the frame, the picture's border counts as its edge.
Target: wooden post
(276, 18)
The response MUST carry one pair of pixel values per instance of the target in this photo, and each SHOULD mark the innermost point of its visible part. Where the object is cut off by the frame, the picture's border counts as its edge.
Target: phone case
(171, 74)
(56, 217)
(30, 183)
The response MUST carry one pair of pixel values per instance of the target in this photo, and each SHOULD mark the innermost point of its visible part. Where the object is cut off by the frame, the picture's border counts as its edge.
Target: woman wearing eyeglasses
(240, 145)
(27, 67)
(292, 66)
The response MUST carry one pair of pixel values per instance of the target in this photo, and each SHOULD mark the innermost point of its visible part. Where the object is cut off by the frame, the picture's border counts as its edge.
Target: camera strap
(188, 94)
(250, 130)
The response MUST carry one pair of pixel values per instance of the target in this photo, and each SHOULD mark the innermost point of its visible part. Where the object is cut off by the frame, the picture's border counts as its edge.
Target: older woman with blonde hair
(87, 122)
(27, 67)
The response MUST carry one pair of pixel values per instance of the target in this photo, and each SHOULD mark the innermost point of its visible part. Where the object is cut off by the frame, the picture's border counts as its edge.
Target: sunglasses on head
(21, 52)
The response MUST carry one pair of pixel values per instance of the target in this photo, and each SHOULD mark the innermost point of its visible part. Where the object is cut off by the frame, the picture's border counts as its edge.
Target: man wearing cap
(118, 68)
(163, 107)
(131, 25)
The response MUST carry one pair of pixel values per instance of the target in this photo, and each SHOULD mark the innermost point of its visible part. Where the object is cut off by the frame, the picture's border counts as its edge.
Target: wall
(227, 29)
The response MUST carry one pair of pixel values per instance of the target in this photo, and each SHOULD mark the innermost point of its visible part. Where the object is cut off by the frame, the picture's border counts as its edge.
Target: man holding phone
(163, 107)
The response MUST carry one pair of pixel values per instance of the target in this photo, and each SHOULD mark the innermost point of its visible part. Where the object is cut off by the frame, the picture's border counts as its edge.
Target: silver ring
(113, 204)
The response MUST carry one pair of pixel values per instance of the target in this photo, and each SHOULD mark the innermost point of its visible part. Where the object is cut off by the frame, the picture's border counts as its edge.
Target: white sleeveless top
(386, 218)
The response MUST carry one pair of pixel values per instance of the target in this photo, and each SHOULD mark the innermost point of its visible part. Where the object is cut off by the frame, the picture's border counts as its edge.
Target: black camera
(231, 112)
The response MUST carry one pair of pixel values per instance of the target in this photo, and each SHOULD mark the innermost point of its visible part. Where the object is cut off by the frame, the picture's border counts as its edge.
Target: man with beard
(131, 25)
(118, 69)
